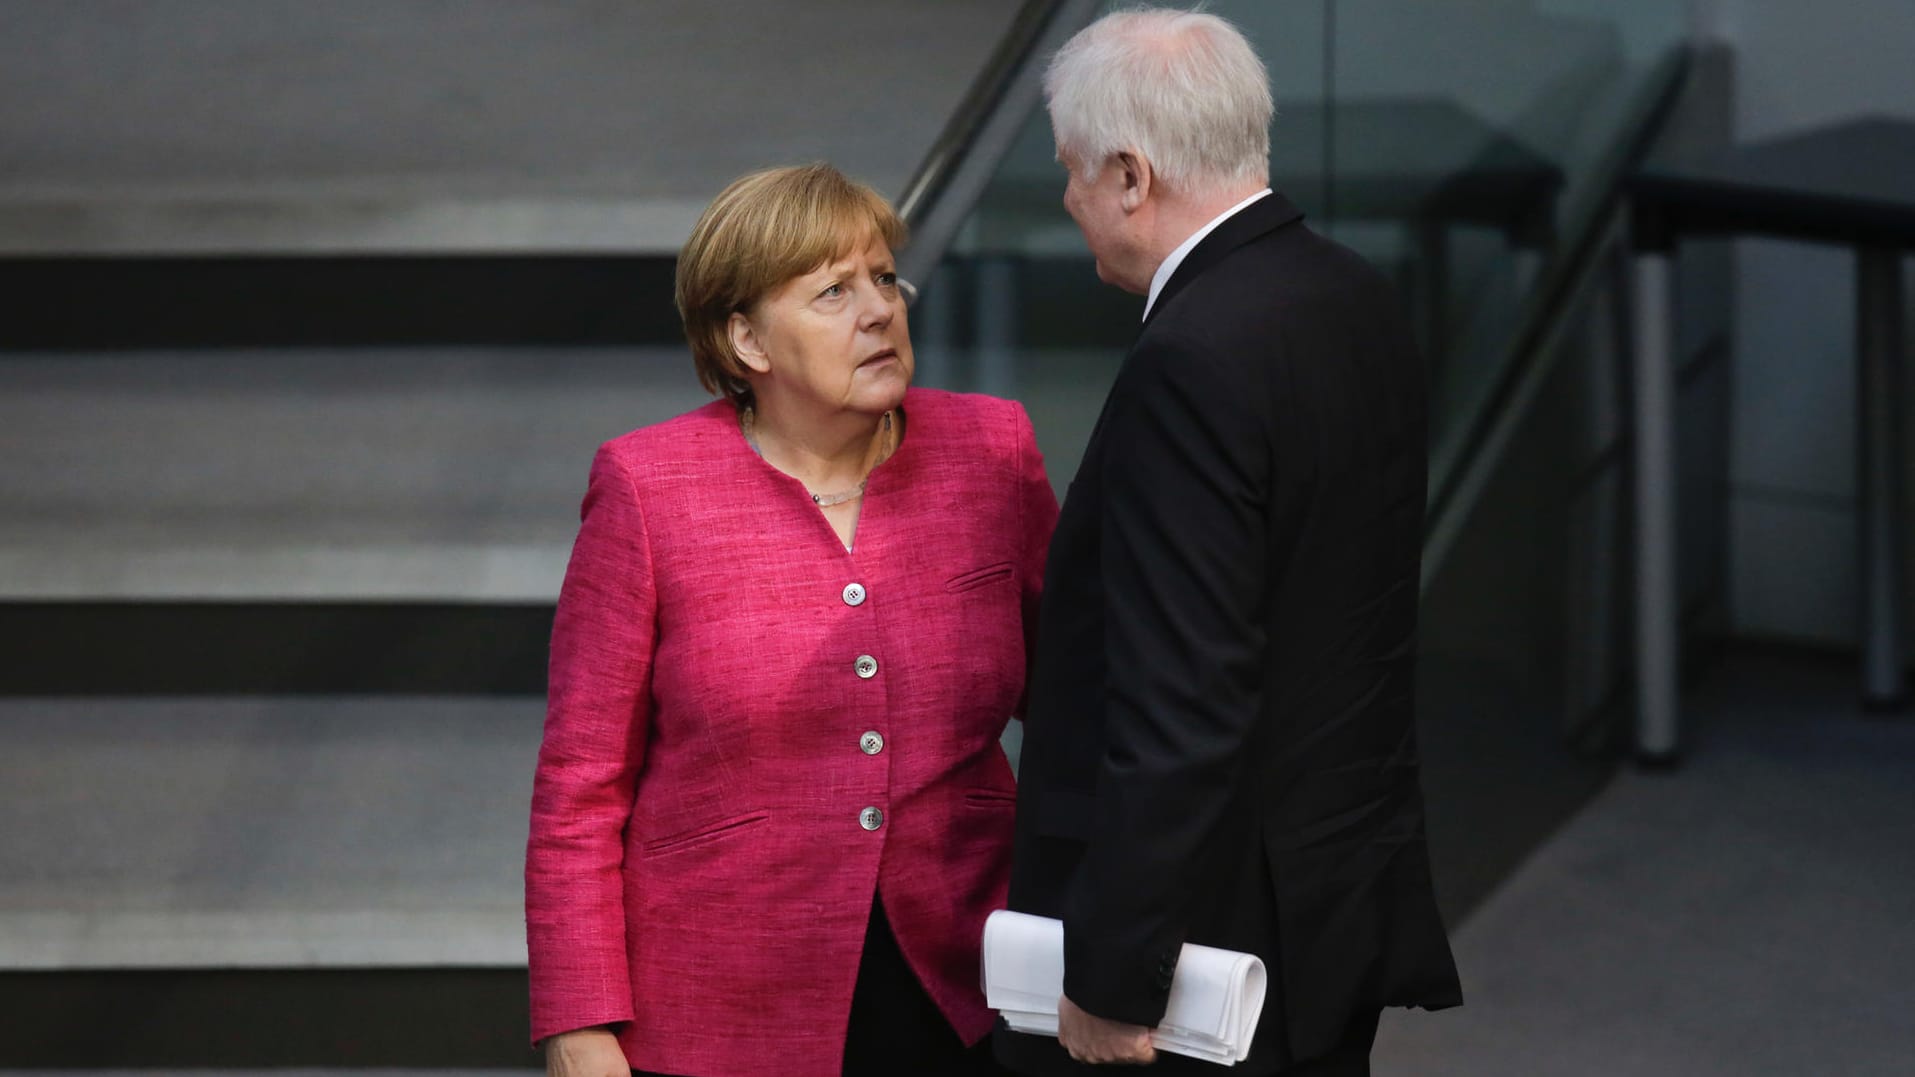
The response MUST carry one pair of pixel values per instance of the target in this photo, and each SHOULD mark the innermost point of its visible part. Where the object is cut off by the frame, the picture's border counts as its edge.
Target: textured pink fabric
(696, 872)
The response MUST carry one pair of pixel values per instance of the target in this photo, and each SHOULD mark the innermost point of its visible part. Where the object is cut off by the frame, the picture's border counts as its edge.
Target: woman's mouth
(880, 357)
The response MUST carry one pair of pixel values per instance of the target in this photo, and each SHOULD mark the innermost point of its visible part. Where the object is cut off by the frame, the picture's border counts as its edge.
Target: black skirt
(895, 1027)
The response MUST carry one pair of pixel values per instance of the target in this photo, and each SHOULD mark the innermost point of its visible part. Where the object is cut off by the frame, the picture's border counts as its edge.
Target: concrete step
(245, 1020)
(268, 832)
(93, 304)
(378, 475)
(273, 126)
(291, 1071)
(311, 474)
(270, 648)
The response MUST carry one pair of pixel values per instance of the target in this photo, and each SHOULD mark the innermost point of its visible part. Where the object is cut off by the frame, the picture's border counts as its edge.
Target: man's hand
(588, 1052)
(1090, 1038)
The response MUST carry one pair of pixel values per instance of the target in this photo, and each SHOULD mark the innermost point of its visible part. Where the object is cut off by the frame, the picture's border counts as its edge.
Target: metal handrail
(986, 93)
(967, 153)
(1451, 496)
(948, 183)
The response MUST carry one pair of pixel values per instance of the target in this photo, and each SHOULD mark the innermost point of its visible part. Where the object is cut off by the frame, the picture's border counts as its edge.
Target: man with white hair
(1220, 744)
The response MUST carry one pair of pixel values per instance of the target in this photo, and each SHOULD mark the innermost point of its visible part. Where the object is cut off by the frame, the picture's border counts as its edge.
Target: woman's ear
(746, 344)
(1137, 177)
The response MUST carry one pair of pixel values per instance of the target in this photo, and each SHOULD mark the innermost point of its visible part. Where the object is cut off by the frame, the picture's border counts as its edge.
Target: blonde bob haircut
(763, 230)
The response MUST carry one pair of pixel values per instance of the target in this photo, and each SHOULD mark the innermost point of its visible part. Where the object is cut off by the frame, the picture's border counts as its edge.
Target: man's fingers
(1134, 1050)
(1115, 1055)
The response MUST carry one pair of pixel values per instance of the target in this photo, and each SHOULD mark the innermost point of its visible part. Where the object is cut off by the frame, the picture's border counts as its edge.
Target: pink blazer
(751, 731)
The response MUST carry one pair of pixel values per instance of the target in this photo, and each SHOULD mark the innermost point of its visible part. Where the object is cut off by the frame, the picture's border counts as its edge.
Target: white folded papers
(1215, 997)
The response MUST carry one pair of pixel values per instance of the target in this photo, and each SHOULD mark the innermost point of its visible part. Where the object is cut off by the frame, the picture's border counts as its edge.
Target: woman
(771, 813)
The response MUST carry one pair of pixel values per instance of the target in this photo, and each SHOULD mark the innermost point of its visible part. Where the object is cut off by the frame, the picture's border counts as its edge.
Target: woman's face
(834, 339)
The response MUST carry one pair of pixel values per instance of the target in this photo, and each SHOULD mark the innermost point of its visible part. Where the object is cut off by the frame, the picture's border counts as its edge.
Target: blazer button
(866, 666)
(854, 594)
(871, 818)
(871, 743)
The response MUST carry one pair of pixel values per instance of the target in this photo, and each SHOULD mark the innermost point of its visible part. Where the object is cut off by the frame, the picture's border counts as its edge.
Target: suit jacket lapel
(1259, 218)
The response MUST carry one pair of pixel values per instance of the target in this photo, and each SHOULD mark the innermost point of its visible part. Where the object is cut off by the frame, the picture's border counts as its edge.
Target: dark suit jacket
(1220, 744)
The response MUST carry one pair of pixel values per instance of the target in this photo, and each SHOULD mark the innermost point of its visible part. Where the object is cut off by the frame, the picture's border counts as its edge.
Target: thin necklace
(748, 420)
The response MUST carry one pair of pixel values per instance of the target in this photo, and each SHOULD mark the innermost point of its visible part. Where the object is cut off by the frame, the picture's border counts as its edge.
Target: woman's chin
(882, 388)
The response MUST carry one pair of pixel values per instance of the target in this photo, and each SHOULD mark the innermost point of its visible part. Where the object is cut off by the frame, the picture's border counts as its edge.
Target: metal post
(1878, 286)
(997, 325)
(1527, 269)
(1658, 721)
(1431, 296)
(1598, 614)
(934, 321)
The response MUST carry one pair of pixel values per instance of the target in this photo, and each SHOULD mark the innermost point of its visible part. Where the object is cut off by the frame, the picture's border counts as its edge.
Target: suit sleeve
(1038, 514)
(595, 728)
(1185, 481)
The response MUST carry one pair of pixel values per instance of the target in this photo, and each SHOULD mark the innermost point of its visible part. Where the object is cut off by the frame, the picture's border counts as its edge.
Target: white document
(1215, 997)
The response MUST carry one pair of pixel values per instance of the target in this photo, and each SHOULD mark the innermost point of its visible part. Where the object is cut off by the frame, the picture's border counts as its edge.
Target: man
(1220, 745)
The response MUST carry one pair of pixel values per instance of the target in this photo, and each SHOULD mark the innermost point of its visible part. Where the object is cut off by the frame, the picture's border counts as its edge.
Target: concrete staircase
(314, 314)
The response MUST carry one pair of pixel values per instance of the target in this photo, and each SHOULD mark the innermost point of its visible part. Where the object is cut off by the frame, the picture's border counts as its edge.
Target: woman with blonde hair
(771, 812)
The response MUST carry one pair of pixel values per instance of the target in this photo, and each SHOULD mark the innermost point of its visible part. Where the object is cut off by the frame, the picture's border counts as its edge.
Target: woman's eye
(887, 280)
(832, 291)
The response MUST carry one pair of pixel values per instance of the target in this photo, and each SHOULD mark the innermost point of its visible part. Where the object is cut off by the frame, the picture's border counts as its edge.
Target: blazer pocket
(691, 839)
(980, 577)
(991, 798)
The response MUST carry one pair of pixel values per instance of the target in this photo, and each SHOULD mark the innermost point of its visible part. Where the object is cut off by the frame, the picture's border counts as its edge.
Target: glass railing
(1458, 145)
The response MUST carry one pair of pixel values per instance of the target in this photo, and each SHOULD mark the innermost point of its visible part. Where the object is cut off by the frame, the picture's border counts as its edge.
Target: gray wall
(1792, 461)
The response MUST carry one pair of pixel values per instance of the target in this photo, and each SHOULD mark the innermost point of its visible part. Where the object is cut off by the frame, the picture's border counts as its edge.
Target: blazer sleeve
(1037, 513)
(1185, 480)
(595, 728)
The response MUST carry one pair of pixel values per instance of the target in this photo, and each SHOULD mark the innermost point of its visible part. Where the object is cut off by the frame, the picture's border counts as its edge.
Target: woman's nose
(877, 310)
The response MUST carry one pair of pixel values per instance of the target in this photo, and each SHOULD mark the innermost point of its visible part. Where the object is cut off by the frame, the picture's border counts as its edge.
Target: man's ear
(745, 343)
(1138, 179)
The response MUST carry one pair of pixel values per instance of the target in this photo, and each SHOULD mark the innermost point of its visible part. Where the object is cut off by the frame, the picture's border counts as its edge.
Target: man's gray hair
(1182, 87)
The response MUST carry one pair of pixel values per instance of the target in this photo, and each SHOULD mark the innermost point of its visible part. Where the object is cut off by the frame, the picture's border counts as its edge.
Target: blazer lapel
(1259, 218)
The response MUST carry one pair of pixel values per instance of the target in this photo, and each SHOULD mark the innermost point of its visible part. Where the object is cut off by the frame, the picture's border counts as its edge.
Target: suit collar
(1169, 268)
(1255, 220)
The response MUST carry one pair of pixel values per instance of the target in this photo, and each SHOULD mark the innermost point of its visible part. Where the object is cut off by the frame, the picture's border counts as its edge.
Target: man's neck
(1181, 216)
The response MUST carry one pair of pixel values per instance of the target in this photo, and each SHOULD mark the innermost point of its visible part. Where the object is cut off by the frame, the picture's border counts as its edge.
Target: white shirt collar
(1162, 276)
